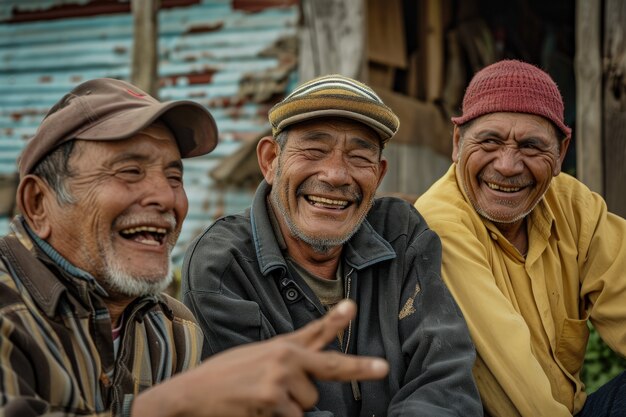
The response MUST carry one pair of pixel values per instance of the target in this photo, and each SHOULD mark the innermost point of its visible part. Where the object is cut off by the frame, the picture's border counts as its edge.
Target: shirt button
(494, 236)
(291, 294)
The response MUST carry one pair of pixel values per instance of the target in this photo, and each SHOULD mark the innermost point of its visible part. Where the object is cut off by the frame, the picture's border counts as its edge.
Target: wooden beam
(433, 46)
(332, 39)
(587, 66)
(386, 41)
(145, 45)
(421, 123)
(615, 105)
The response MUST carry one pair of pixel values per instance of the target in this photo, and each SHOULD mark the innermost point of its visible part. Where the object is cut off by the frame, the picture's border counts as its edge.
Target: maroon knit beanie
(513, 86)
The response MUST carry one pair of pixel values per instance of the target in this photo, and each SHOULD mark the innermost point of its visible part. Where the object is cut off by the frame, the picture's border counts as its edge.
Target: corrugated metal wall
(237, 62)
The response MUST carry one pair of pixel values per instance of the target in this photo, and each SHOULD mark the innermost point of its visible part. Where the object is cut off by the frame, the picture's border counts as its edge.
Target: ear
(563, 153)
(267, 151)
(33, 196)
(456, 140)
(383, 170)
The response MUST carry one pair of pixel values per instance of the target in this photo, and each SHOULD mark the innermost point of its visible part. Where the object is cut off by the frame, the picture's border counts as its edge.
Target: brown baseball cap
(110, 109)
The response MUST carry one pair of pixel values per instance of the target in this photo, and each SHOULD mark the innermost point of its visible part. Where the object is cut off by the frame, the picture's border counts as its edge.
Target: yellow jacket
(528, 317)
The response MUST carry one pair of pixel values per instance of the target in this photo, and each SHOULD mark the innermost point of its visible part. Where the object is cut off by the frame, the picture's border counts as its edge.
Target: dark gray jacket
(241, 290)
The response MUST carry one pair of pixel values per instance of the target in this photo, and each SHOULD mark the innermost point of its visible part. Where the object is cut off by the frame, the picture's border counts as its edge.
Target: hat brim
(299, 109)
(383, 131)
(192, 125)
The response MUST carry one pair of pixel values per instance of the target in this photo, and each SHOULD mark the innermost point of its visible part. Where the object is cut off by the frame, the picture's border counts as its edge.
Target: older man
(84, 329)
(530, 253)
(315, 235)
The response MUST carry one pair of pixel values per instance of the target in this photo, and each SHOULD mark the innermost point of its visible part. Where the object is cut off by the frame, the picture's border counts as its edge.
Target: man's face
(505, 162)
(325, 180)
(128, 211)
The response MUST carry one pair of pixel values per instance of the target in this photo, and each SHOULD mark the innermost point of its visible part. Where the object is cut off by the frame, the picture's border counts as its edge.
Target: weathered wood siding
(615, 106)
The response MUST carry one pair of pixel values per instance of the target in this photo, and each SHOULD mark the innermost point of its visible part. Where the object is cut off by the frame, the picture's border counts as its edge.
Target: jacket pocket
(572, 344)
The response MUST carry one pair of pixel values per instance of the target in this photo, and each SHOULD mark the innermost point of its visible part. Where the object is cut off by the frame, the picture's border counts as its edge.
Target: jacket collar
(365, 248)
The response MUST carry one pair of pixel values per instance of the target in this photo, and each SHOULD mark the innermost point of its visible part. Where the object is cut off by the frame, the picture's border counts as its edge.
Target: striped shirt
(56, 348)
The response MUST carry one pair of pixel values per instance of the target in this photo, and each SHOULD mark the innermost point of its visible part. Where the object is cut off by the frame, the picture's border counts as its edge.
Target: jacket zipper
(356, 391)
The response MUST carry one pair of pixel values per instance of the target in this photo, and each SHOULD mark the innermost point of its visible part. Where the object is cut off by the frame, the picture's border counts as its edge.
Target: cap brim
(192, 125)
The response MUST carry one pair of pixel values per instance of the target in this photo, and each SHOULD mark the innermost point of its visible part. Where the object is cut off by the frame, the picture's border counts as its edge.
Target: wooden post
(432, 33)
(588, 71)
(615, 105)
(145, 45)
(332, 39)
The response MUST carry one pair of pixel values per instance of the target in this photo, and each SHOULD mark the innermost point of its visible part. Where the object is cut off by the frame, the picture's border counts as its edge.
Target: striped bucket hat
(338, 96)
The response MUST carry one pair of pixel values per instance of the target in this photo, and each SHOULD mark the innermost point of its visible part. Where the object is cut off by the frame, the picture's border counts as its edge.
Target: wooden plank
(386, 43)
(615, 105)
(412, 170)
(456, 78)
(413, 84)
(332, 39)
(421, 123)
(145, 50)
(433, 49)
(588, 94)
(381, 76)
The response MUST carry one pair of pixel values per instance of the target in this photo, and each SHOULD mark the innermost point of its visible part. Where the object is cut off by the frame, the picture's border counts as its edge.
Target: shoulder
(569, 198)
(10, 298)
(446, 209)
(223, 235)
(401, 225)
(227, 226)
(566, 189)
(395, 214)
(443, 198)
(179, 311)
(575, 208)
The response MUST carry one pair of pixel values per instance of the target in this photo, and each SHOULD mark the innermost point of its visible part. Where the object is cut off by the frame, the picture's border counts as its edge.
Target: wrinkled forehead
(333, 126)
(512, 122)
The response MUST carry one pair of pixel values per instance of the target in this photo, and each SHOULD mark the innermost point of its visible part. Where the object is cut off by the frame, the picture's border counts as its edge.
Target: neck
(116, 307)
(515, 233)
(323, 265)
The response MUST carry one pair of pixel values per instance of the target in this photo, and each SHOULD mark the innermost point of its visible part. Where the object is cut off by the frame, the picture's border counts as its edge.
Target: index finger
(319, 333)
(336, 366)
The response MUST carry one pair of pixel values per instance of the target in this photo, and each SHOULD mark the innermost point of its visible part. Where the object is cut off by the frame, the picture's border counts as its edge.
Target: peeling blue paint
(205, 52)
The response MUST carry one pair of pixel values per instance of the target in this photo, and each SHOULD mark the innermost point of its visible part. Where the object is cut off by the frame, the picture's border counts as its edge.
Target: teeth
(505, 189)
(328, 201)
(149, 242)
(143, 229)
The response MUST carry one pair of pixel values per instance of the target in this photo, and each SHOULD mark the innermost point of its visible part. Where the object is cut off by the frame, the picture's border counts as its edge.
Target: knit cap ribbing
(513, 86)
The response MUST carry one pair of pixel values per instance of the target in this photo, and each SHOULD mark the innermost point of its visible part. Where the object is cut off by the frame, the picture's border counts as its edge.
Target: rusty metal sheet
(234, 59)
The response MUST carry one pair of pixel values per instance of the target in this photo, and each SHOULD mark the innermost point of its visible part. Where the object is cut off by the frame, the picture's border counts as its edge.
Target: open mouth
(501, 188)
(328, 203)
(146, 235)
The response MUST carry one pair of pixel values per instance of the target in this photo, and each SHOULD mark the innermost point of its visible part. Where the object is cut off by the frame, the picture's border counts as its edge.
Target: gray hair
(281, 138)
(54, 170)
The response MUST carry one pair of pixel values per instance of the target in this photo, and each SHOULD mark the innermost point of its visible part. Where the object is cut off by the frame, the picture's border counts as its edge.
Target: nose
(509, 162)
(335, 171)
(158, 191)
